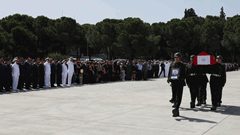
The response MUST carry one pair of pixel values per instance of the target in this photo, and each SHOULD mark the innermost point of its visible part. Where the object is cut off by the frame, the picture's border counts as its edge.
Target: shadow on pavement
(224, 109)
(193, 119)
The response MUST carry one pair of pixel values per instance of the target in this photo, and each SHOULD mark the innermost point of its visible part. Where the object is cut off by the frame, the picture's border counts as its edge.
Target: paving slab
(117, 108)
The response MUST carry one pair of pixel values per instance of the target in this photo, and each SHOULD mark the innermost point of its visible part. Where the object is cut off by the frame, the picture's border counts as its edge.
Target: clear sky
(93, 11)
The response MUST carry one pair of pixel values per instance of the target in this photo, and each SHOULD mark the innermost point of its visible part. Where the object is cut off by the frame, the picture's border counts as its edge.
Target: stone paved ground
(120, 108)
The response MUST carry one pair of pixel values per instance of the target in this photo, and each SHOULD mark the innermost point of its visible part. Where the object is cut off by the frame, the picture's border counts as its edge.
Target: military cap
(177, 54)
(192, 57)
(219, 57)
(15, 59)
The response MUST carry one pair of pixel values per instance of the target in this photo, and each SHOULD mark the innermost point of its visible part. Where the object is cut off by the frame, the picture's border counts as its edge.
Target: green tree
(231, 38)
(189, 13)
(222, 14)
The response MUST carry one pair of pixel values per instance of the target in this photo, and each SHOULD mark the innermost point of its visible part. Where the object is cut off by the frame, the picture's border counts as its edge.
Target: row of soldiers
(196, 80)
(34, 74)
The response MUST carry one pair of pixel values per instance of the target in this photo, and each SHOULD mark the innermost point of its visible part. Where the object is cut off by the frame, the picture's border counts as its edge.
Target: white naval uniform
(70, 72)
(64, 74)
(47, 69)
(167, 69)
(15, 75)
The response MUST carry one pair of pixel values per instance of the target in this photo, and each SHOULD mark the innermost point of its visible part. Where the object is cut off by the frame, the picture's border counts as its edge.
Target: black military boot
(214, 108)
(198, 104)
(192, 105)
(171, 101)
(175, 112)
(218, 104)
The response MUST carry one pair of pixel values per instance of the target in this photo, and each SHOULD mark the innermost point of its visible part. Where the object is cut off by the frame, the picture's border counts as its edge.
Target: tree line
(23, 35)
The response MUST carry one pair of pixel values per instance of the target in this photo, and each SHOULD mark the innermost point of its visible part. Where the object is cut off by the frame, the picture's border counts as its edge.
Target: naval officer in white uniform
(70, 70)
(47, 69)
(64, 72)
(15, 74)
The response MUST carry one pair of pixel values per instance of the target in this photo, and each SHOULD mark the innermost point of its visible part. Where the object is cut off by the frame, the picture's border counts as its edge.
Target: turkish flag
(203, 59)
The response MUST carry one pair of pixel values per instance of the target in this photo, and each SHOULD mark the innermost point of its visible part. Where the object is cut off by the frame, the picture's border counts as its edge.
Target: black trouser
(156, 73)
(35, 81)
(1, 84)
(8, 83)
(202, 96)
(177, 90)
(52, 79)
(215, 88)
(194, 90)
(41, 80)
(163, 70)
(139, 74)
(220, 95)
(216, 93)
(20, 82)
(59, 78)
(27, 81)
(150, 73)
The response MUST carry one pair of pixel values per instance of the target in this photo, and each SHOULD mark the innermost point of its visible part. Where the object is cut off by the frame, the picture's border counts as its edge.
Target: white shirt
(15, 69)
(47, 68)
(64, 69)
(70, 66)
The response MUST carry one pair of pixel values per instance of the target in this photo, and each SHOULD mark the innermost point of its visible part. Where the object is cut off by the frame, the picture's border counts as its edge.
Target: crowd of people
(22, 74)
(27, 74)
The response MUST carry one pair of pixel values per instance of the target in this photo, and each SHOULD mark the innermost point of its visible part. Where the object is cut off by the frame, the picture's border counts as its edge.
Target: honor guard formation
(21, 75)
(196, 80)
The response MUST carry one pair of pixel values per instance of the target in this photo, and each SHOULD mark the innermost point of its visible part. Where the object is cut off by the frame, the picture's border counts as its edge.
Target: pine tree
(186, 13)
(189, 13)
(222, 14)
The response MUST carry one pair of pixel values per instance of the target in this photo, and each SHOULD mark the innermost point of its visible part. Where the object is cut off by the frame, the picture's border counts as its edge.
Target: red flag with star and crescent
(203, 59)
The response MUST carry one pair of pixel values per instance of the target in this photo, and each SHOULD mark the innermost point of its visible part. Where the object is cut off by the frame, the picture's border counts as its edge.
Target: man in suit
(162, 69)
(1, 74)
(59, 72)
(41, 73)
(53, 72)
(156, 69)
(35, 74)
(8, 75)
(21, 77)
(28, 73)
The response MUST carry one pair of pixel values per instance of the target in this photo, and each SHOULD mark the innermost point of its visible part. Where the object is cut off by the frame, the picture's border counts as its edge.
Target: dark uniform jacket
(35, 70)
(59, 68)
(163, 66)
(192, 73)
(1, 70)
(218, 74)
(53, 69)
(27, 69)
(182, 73)
(8, 71)
(202, 74)
(41, 70)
